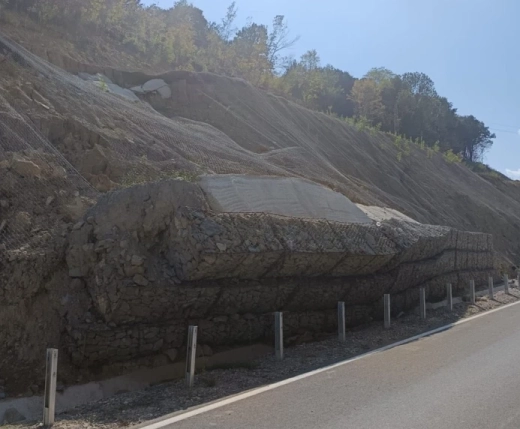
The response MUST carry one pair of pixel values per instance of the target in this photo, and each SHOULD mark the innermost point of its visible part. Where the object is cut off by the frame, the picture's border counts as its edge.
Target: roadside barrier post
(449, 297)
(278, 334)
(191, 355)
(49, 400)
(506, 283)
(341, 322)
(490, 285)
(387, 310)
(422, 299)
(472, 299)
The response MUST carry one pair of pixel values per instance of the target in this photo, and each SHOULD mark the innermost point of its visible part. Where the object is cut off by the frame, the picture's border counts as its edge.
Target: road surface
(467, 377)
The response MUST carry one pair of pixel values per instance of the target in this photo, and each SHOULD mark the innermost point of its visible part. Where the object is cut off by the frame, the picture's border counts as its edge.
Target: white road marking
(213, 406)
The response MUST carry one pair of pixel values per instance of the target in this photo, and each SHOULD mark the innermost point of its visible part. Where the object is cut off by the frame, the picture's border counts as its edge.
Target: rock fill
(157, 257)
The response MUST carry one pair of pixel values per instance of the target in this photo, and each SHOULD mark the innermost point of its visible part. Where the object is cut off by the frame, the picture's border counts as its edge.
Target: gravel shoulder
(132, 408)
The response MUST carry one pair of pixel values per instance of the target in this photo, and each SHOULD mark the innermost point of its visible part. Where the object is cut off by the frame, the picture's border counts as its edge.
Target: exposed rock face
(156, 258)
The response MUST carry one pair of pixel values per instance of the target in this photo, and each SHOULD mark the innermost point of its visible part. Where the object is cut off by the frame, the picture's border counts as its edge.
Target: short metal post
(422, 299)
(278, 334)
(191, 355)
(49, 400)
(506, 283)
(341, 322)
(472, 299)
(449, 297)
(490, 285)
(387, 310)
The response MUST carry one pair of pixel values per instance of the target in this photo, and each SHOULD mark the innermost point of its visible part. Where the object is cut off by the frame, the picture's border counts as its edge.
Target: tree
(443, 122)
(380, 75)
(403, 104)
(218, 56)
(367, 100)
(279, 40)
(423, 107)
(303, 80)
(250, 48)
(419, 84)
(310, 60)
(184, 13)
(318, 87)
(336, 96)
(474, 137)
(395, 97)
(225, 29)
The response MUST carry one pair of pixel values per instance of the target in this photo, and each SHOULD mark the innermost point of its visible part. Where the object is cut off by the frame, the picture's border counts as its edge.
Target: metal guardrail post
(341, 322)
(386, 303)
(472, 298)
(449, 297)
(191, 355)
(506, 283)
(422, 299)
(278, 334)
(49, 400)
(490, 286)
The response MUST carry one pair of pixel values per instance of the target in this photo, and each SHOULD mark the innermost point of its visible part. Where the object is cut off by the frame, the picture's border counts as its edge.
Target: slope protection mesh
(142, 144)
(18, 135)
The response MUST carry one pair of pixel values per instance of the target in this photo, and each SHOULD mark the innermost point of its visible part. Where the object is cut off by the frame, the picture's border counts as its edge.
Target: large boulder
(25, 167)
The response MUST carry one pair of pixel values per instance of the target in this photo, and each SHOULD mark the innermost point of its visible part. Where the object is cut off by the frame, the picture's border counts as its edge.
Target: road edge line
(183, 415)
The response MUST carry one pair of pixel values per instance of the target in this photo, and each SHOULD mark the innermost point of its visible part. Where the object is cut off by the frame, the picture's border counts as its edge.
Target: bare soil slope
(259, 134)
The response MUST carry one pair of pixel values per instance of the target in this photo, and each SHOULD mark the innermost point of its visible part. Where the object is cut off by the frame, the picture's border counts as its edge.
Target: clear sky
(470, 48)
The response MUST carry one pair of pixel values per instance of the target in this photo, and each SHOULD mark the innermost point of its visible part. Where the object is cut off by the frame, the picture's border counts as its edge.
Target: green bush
(451, 157)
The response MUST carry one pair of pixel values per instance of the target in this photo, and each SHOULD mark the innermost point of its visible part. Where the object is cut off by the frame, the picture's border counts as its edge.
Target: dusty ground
(132, 408)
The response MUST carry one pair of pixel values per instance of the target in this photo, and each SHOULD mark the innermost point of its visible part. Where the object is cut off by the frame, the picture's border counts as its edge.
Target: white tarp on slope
(379, 214)
(279, 195)
(158, 85)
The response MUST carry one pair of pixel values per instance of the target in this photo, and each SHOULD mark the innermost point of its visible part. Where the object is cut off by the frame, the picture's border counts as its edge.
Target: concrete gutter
(73, 396)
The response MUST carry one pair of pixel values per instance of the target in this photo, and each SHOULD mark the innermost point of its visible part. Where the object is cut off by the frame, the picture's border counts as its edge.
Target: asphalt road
(465, 377)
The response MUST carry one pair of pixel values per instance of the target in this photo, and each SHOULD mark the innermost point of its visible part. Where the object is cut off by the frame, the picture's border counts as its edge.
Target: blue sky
(470, 48)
